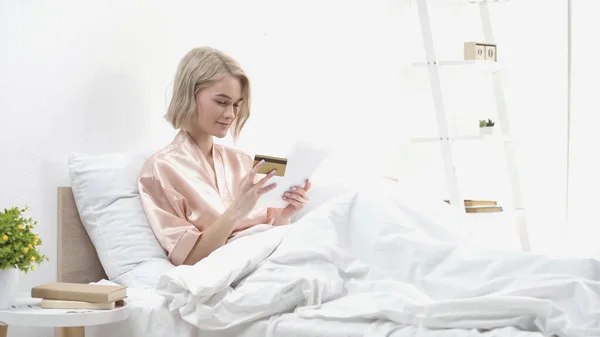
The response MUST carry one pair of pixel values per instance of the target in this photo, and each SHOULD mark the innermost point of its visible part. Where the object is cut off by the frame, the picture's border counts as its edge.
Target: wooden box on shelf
(480, 51)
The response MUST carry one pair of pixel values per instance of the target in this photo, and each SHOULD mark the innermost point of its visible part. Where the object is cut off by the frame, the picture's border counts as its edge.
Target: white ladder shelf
(446, 141)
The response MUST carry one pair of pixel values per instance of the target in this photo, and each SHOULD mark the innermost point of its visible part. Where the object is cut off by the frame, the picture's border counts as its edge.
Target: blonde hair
(197, 69)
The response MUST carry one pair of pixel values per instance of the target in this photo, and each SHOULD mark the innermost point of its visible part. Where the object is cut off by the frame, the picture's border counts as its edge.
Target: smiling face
(207, 95)
(217, 106)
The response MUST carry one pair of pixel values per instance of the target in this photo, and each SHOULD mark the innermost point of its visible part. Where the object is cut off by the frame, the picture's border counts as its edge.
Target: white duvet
(374, 255)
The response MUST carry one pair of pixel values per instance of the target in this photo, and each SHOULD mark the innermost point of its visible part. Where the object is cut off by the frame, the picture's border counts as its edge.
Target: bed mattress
(150, 317)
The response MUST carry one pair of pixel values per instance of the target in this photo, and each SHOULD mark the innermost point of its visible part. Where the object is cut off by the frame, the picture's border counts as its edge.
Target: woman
(196, 194)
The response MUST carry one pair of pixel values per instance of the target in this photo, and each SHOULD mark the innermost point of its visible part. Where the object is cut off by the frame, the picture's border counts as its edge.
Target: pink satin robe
(180, 198)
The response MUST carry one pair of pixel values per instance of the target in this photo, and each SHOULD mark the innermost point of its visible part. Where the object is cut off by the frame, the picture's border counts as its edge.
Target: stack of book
(61, 295)
(481, 206)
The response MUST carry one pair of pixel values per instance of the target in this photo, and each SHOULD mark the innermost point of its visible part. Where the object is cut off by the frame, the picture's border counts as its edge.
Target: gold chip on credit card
(271, 163)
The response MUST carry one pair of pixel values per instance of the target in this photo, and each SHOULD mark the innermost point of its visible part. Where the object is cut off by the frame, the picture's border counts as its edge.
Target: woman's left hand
(296, 197)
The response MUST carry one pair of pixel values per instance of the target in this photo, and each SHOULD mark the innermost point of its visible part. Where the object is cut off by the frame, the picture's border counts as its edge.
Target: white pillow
(107, 197)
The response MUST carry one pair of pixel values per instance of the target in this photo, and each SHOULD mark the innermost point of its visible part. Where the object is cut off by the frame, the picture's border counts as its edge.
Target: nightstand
(26, 311)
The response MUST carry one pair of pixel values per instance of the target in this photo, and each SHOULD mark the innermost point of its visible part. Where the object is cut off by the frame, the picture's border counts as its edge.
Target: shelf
(481, 65)
(487, 206)
(460, 138)
(493, 209)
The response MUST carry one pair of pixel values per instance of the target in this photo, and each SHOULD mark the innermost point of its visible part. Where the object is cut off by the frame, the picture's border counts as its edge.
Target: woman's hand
(215, 235)
(249, 192)
(296, 197)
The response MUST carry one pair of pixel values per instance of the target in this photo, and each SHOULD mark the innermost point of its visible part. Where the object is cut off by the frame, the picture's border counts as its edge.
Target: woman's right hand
(249, 192)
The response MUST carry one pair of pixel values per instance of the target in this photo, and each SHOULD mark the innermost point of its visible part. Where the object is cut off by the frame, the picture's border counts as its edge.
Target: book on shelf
(471, 203)
(82, 292)
(61, 304)
(480, 206)
(483, 209)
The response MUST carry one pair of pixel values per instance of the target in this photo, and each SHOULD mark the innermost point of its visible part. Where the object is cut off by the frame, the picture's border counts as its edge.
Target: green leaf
(11, 250)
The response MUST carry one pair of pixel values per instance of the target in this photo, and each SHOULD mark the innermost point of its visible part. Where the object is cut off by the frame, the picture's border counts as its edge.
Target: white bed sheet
(151, 317)
(148, 317)
(290, 325)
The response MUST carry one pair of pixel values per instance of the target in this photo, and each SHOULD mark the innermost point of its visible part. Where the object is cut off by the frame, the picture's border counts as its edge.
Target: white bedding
(150, 317)
(377, 259)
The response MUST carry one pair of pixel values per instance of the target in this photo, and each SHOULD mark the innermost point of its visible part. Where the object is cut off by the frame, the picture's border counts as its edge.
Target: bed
(78, 262)
(306, 279)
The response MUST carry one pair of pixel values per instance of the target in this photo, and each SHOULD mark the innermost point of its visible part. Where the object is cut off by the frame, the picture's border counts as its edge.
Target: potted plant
(19, 251)
(486, 127)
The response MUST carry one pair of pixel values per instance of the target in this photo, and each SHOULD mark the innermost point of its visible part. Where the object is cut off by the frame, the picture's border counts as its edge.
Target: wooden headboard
(77, 258)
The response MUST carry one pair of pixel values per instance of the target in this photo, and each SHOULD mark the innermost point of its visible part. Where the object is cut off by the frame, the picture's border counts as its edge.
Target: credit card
(271, 163)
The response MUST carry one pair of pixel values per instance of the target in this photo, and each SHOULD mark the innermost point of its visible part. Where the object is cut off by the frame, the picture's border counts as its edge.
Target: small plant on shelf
(486, 126)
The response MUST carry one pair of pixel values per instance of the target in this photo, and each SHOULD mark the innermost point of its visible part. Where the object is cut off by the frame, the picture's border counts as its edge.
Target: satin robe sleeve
(166, 213)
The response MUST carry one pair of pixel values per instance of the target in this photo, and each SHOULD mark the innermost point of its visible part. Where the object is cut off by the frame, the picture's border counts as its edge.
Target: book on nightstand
(60, 304)
(79, 292)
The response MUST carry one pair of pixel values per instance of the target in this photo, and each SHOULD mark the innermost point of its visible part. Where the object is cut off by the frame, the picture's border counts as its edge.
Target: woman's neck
(204, 141)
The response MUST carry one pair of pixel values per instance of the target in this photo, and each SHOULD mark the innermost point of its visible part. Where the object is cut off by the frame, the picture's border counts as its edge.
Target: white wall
(75, 77)
(538, 97)
(582, 227)
(537, 83)
(94, 77)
